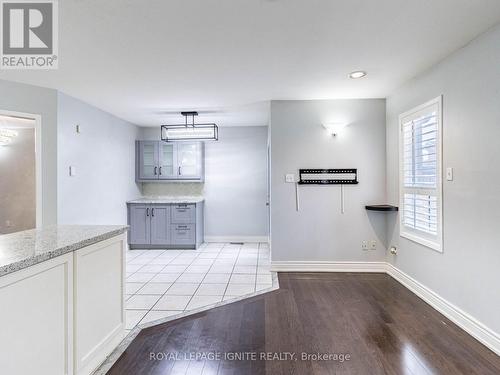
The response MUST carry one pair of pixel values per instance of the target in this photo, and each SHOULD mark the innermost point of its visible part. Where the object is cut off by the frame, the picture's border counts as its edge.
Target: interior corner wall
(318, 231)
(103, 155)
(467, 273)
(41, 101)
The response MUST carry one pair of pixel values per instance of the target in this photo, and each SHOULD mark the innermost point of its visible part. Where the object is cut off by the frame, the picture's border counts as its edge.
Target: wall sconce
(6, 136)
(334, 127)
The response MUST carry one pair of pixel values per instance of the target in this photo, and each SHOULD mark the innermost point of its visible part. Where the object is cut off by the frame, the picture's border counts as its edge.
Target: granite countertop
(24, 249)
(168, 199)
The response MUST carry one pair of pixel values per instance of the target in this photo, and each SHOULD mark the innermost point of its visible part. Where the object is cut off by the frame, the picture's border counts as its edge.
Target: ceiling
(145, 61)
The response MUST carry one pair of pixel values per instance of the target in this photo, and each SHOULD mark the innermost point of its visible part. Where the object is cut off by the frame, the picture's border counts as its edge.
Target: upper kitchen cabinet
(158, 160)
(147, 155)
(189, 161)
(167, 161)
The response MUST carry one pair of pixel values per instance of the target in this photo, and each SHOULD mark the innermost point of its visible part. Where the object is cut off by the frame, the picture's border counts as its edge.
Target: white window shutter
(420, 181)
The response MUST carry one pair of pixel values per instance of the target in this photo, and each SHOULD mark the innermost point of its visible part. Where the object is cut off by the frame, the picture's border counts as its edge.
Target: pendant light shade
(189, 132)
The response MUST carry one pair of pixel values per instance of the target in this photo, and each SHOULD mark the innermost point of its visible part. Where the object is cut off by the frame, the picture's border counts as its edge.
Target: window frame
(415, 235)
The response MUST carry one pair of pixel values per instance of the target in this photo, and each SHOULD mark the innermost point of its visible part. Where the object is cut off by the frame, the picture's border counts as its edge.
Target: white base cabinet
(64, 316)
(99, 311)
(36, 312)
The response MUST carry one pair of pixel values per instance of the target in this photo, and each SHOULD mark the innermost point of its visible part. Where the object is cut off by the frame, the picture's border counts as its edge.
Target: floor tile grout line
(171, 286)
(209, 268)
(257, 268)
(149, 262)
(180, 275)
(240, 251)
(231, 275)
(165, 290)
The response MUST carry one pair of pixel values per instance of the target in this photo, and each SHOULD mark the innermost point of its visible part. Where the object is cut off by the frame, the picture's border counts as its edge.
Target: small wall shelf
(382, 208)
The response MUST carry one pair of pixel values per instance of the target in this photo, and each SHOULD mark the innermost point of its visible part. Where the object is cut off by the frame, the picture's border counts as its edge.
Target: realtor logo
(29, 34)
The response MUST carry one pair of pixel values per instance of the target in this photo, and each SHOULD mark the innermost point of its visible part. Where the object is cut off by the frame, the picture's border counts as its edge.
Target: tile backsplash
(173, 189)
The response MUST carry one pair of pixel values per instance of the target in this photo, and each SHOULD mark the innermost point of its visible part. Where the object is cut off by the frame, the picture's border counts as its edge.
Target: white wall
(18, 183)
(103, 155)
(235, 187)
(41, 101)
(467, 272)
(319, 232)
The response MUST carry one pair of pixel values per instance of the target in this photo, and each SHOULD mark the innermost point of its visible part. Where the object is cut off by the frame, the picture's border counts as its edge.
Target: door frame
(38, 158)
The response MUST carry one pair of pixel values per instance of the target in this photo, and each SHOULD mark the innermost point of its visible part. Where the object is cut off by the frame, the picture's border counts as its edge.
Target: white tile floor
(161, 283)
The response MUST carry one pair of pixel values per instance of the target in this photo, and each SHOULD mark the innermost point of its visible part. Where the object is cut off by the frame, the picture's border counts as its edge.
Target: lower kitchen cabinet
(140, 224)
(165, 225)
(160, 218)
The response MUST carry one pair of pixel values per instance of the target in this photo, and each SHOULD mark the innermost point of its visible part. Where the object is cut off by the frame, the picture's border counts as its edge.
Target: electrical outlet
(373, 245)
(364, 245)
(290, 177)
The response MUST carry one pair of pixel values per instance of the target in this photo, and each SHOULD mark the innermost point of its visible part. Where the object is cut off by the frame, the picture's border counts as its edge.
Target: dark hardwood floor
(379, 324)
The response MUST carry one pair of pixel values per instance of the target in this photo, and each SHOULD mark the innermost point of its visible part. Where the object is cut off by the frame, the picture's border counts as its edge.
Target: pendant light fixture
(189, 131)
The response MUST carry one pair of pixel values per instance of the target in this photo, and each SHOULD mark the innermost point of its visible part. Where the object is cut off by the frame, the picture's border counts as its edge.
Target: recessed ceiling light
(357, 74)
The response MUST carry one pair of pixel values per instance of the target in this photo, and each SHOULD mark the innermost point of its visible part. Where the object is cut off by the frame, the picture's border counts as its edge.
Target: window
(420, 174)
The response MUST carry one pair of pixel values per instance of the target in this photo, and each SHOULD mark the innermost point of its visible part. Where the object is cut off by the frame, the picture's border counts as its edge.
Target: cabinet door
(160, 224)
(99, 319)
(189, 160)
(166, 161)
(140, 224)
(37, 318)
(148, 160)
(183, 234)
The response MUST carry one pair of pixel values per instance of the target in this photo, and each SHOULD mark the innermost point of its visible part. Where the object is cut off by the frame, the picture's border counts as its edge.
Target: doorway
(20, 172)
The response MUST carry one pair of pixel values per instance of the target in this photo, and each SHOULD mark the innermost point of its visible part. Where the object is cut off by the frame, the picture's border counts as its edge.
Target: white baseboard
(236, 239)
(468, 323)
(298, 266)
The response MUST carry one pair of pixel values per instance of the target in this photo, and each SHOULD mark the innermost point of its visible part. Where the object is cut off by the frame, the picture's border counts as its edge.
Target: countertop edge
(25, 263)
(165, 201)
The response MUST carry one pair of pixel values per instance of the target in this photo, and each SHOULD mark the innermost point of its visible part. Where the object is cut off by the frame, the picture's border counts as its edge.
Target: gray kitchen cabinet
(183, 234)
(160, 220)
(158, 160)
(147, 160)
(165, 225)
(167, 161)
(189, 156)
(183, 213)
(140, 224)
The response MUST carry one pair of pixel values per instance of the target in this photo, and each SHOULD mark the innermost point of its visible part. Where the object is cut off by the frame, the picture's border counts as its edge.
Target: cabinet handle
(147, 211)
(155, 170)
(152, 212)
(180, 173)
(159, 171)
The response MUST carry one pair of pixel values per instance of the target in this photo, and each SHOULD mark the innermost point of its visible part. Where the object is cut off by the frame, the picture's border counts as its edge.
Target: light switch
(449, 174)
(290, 177)
(72, 171)
(78, 129)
